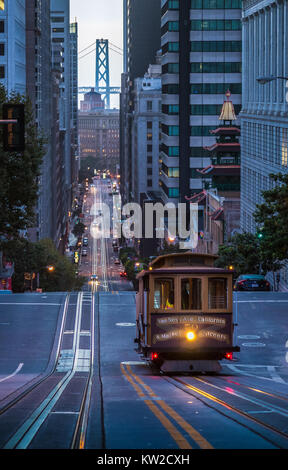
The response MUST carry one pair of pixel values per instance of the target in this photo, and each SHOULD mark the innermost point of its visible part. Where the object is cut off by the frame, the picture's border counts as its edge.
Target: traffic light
(260, 234)
(14, 133)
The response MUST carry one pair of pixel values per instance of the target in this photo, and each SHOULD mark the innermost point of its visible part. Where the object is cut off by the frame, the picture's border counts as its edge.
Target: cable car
(184, 313)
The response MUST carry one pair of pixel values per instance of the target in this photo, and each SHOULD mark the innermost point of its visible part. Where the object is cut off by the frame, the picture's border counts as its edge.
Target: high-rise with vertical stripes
(201, 60)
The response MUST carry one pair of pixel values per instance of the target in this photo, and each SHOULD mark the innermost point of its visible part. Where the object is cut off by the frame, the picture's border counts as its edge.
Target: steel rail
(25, 433)
(79, 436)
(42, 379)
(196, 392)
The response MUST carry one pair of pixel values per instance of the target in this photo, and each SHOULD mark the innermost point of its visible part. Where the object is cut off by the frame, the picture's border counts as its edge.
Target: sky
(98, 19)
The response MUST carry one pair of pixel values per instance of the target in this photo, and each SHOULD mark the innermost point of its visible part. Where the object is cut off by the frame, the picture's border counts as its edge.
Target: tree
(19, 174)
(242, 252)
(272, 219)
(79, 229)
(35, 258)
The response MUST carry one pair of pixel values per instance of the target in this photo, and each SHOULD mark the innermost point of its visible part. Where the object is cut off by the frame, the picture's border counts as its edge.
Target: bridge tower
(102, 68)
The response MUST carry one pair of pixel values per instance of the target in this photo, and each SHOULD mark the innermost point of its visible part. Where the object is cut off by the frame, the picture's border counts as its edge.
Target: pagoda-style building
(219, 201)
(224, 171)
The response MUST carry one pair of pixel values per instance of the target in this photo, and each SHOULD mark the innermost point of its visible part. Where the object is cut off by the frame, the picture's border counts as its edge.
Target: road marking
(193, 433)
(32, 303)
(174, 433)
(248, 337)
(14, 373)
(237, 369)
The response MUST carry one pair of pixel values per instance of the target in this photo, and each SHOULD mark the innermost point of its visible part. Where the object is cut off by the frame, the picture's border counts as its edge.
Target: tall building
(264, 116)
(98, 130)
(39, 90)
(13, 46)
(145, 133)
(75, 162)
(201, 60)
(141, 39)
(60, 32)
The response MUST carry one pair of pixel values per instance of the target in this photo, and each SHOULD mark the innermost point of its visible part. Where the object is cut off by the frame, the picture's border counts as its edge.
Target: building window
(215, 25)
(149, 105)
(2, 48)
(215, 4)
(170, 68)
(173, 25)
(284, 148)
(215, 88)
(170, 130)
(215, 67)
(149, 183)
(170, 89)
(2, 26)
(2, 71)
(216, 46)
(173, 4)
(172, 109)
(57, 19)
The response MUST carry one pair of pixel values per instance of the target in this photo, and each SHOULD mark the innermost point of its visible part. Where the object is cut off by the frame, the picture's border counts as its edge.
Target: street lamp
(269, 78)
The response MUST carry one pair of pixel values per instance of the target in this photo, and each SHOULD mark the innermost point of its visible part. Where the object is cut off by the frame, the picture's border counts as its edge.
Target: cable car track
(54, 386)
(265, 430)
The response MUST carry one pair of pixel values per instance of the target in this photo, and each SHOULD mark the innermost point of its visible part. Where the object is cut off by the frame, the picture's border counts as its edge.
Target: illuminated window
(191, 294)
(2, 4)
(284, 148)
(164, 294)
(217, 293)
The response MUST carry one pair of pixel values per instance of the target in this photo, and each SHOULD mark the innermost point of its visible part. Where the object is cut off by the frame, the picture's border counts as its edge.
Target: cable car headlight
(190, 335)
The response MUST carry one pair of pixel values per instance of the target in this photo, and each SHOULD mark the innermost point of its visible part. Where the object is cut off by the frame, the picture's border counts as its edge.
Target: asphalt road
(70, 375)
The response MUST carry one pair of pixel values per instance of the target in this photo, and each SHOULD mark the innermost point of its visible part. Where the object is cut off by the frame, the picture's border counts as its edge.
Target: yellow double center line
(143, 390)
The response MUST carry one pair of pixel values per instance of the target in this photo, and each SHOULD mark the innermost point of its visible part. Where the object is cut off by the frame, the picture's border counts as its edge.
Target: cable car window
(191, 294)
(217, 293)
(164, 294)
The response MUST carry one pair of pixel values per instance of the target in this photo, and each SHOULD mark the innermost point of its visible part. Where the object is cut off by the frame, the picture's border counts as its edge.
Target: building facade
(60, 33)
(39, 90)
(13, 46)
(264, 116)
(201, 60)
(98, 130)
(74, 99)
(145, 133)
(141, 41)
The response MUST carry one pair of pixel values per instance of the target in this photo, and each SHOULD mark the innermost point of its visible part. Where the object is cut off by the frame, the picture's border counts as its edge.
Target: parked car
(251, 282)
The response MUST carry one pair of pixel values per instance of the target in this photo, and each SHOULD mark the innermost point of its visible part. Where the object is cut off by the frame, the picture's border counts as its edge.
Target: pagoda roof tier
(218, 170)
(218, 214)
(197, 198)
(224, 147)
(226, 130)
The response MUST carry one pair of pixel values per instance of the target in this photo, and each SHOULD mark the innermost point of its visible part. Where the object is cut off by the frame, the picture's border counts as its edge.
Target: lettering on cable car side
(191, 319)
(173, 329)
